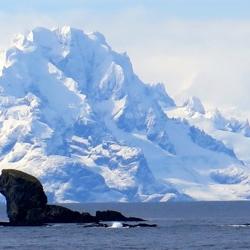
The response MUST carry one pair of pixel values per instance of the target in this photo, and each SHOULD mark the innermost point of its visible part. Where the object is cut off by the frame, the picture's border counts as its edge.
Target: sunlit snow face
(74, 113)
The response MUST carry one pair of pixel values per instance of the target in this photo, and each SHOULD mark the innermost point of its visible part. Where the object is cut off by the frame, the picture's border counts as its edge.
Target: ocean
(181, 225)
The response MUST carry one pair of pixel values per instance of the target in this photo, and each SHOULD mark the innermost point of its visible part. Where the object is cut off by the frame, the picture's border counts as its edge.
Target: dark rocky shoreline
(27, 205)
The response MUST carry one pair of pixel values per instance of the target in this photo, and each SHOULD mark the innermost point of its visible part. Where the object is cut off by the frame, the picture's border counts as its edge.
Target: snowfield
(74, 114)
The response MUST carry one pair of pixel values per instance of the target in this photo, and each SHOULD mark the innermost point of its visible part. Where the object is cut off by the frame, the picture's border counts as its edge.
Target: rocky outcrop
(59, 214)
(27, 204)
(122, 225)
(110, 215)
(24, 195)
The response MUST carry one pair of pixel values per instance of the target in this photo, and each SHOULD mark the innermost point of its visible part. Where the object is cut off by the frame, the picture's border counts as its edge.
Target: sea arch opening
(3, 209)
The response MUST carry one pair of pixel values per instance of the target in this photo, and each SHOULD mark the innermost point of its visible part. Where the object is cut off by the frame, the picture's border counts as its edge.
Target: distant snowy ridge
(74, 114)
(232, 131)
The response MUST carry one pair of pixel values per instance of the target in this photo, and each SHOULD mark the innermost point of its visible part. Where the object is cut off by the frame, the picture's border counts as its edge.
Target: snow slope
(74, 114)
(231, 131)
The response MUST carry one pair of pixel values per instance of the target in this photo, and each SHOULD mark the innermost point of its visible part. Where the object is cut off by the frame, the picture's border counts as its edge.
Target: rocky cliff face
(27, 204)
(23, 192)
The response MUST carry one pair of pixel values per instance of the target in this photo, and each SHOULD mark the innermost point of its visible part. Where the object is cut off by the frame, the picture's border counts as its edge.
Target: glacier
(74, 114)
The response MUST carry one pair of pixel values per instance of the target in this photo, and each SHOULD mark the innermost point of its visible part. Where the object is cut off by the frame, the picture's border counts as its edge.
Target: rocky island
(27, 205)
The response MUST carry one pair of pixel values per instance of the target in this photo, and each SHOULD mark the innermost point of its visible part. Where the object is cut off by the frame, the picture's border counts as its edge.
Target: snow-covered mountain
(233, 132)
(74, 114)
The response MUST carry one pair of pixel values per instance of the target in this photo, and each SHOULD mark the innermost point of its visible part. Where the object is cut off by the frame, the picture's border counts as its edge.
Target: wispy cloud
(208, 57)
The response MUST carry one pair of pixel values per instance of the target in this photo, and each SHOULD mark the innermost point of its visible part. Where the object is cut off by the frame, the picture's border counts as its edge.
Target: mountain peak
(74, 113)
(194, 105)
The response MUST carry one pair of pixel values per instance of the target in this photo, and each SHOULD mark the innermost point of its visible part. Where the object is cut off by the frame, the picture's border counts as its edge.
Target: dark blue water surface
(191, 225)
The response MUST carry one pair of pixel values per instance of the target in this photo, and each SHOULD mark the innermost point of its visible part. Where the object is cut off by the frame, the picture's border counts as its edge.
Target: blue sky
(191, 9)
(196, 47)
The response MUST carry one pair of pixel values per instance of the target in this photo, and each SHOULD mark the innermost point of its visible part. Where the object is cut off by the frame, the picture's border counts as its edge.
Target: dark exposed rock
(110, 215)
(139, 225)
(59, 214)
(27, 204)
(123, 225)
(95, 225)
(23, 193)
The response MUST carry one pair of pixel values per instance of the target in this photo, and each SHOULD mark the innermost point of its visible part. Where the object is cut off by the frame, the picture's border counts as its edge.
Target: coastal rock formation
(24, 195)
(119, 225)
(59, 214)
(27, 204)
(110, 215)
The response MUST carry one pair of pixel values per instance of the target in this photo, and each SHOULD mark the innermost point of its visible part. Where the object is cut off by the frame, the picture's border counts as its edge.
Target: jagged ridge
(74, 114)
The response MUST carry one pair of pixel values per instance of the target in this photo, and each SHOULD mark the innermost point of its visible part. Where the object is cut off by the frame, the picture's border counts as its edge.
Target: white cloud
(207, 58)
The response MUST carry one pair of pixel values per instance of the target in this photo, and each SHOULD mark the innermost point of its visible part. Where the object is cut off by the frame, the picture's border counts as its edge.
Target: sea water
(190, 225)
